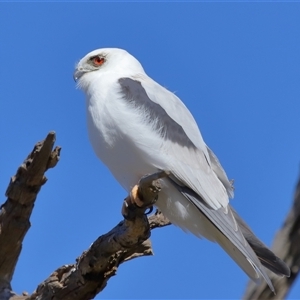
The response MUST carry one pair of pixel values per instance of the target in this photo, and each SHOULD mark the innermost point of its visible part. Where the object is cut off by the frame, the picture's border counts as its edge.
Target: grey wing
(224, 220)
(265, 255)
(197, 170)
(155, 115)
(219, 171)
(181, 142)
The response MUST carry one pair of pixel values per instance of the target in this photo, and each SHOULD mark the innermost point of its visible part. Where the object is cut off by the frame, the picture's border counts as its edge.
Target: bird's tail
(251, 267)
(237, 239)
(265, 255)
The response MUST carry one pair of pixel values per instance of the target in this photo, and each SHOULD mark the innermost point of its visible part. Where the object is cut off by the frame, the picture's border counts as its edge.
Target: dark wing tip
(272, 262)
(267, 258)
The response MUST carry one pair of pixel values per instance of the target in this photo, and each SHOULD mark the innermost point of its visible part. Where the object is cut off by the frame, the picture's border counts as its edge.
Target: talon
(133, 205)
(150, 210)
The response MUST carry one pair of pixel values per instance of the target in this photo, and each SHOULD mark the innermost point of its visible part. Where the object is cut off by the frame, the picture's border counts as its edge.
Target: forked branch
(89, 274)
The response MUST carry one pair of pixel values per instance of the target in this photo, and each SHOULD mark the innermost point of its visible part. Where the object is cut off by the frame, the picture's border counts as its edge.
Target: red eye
(98, 61)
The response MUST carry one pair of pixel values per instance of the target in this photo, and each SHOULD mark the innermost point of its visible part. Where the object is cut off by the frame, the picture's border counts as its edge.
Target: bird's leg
(143, 196)
(135, 205)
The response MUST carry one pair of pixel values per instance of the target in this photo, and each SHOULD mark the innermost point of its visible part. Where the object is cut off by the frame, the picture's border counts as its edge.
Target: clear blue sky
(237, 68)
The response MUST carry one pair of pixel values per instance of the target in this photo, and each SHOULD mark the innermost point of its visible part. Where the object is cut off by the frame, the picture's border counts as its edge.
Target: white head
(106, 60)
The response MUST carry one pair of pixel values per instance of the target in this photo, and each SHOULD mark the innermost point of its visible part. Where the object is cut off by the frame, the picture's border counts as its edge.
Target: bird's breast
(120, 141)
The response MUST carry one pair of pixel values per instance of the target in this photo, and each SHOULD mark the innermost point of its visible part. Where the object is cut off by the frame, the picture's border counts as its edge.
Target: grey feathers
(137, 127)
(224, 220)
(134, 94)
(266, 256)
(219, 171)
(236, 237)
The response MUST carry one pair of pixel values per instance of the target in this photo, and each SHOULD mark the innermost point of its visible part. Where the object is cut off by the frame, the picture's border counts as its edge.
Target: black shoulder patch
(135, 95)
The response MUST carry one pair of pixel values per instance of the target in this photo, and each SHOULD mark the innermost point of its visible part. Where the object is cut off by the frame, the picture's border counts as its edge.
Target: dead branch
(286, 246)
(89, 274)
(128, 240)
(16, 211)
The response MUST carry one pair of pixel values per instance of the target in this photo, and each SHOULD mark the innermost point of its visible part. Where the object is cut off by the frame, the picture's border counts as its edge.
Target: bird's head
(106, 60)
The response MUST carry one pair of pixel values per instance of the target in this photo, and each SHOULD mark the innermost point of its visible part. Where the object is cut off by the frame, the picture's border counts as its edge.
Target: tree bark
(16, 211)
(285, 246)
(128, 240)
(89, 274)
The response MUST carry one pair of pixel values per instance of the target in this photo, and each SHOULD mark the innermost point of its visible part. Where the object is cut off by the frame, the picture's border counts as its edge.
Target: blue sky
(237, 68)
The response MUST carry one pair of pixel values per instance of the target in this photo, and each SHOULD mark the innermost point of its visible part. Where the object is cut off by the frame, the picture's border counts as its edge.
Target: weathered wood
(129, 239)
(89, 275)
(285, 246)
(16, 211)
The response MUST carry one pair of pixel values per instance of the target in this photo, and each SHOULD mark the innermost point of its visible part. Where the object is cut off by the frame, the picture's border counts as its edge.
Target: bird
(137, 127)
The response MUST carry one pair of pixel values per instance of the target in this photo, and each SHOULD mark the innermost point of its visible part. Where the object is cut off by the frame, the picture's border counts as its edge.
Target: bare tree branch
(128, 240)
(286, 246)
(15, 212)
(89, 275)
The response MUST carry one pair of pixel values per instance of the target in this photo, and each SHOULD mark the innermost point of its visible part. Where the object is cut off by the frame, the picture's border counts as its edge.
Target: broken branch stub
(16, 211)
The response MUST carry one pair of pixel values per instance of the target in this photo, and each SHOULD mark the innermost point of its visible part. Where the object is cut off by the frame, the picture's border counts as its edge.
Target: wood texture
(94, 267)
(128, 240)
(16, 211)
(91, 271)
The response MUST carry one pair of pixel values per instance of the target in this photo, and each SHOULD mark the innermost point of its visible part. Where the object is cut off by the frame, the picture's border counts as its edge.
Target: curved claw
(150, 210)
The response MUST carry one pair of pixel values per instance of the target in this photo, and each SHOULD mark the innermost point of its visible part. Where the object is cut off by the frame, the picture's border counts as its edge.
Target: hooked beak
(77, 74)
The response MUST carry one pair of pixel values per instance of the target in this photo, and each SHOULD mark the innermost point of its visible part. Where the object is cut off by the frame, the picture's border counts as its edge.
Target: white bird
(138, 127)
